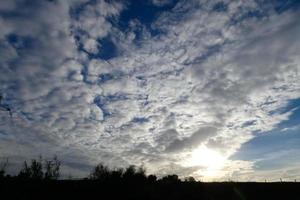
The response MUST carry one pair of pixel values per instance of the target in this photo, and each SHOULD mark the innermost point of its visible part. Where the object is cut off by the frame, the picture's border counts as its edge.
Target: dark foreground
(88, 189)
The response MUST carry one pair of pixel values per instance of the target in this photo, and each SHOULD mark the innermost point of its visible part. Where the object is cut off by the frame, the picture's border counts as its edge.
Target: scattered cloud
(202, 73)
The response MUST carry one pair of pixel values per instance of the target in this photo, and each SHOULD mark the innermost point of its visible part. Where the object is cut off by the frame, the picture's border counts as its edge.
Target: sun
(210, 159)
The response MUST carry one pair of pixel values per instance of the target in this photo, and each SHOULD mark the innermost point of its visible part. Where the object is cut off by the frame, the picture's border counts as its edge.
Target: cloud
(194, 140)
(161, 2)
(7, 5)
(292, 128)
(210, 77)
(92, 22)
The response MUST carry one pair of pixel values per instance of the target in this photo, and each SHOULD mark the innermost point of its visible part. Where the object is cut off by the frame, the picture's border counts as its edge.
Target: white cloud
(93, 22)
(161, 2)
(91, 45)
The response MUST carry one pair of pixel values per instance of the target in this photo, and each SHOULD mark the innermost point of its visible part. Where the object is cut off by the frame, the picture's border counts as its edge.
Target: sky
(202, 88)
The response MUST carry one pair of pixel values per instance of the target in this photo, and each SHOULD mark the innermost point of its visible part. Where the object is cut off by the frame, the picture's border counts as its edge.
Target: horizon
(208, 89)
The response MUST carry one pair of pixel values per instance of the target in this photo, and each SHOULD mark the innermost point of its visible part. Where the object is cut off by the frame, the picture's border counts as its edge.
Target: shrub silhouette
(100, 173)
(38, 170)
(128, 183)
(170, 179)
(152, 178)
(3, 166)
(134, 175)
(189, 179)
(25, 172)
(52, 168)
(131, 174)
(116, 175)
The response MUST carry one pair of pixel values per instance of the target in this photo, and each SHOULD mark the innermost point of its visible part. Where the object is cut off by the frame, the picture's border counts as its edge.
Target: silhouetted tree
(134, 175)
(38, 170)
(170, 179)
(25, 172)
(152, 178)
(3, 166)
(189, 179)
(52, 168)
(141, 174)
(129, 171)
(116, 175)
(100, 173)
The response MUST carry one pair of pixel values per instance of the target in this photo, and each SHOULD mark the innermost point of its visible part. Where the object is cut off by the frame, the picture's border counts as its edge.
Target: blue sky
(278, 149)
(200, 88)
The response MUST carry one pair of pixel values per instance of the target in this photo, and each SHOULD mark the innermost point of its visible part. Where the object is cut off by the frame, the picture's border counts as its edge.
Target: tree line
(37, 169)
(49, 169)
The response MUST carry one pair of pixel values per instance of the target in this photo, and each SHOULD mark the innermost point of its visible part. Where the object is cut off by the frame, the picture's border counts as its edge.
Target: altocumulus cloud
(88, 88)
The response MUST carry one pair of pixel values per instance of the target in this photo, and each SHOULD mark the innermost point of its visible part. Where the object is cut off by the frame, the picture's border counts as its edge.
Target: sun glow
(207, 158)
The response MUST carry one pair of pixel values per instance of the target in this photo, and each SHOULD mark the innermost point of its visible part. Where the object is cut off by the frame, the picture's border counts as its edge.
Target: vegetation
(39, 179)
(3, 168)
(38, 169)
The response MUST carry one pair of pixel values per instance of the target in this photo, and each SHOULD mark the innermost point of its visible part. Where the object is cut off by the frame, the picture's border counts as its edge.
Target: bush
(38, 170)
(190, 179)
(130, 175)
(152, 178)
(100, 173)
(170, 179)
(52, 168)
(134, 175)
(3, 166)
